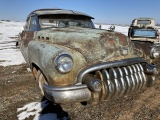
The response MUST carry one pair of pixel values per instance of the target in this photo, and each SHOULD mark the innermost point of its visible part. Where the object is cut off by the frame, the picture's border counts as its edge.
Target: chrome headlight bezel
(63, 63)
(154, 53)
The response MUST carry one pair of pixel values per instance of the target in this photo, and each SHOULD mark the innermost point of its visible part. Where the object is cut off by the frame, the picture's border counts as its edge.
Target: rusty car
(72, 61)
(144, 33)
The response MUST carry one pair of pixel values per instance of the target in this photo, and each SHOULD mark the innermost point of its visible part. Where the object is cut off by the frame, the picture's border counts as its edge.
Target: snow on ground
(122, 29)
(29, 110)
(9, 55)
(34, 109)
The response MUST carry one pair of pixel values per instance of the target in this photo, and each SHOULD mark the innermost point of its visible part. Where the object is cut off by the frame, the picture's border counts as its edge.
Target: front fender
(43, 55)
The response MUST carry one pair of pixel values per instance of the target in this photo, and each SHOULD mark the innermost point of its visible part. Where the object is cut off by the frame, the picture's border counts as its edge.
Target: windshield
(45, 23)
(54, 21)
(144, 22)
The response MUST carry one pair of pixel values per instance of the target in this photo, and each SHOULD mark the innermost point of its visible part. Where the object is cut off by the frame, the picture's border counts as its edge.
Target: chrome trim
(117, 78)
(127, 80)
(132, 78)
(136, 76)
(155, 50)
(139, 75)
(113, 76)
(143, 75)
(111, 64)
(58, 58)
(68, 94)
(92, 83)
(109, 84)
(121, 80)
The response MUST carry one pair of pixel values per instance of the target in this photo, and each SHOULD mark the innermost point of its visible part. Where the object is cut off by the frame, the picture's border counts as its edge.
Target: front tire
(41, 79)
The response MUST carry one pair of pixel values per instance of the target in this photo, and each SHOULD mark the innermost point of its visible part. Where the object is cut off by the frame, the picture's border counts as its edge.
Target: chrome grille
(118, 78)
(123, 80)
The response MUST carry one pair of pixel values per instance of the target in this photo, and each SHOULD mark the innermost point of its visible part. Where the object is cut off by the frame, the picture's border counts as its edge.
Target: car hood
(94, 44)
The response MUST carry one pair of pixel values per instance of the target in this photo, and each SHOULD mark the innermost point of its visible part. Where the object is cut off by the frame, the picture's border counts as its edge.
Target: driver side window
(33, 23)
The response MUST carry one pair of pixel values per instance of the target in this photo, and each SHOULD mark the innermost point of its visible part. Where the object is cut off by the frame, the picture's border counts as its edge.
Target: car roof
(57, 11)
(144, 18)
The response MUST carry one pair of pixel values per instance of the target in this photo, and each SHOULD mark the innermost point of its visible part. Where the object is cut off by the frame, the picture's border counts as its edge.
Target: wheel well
(35, 69)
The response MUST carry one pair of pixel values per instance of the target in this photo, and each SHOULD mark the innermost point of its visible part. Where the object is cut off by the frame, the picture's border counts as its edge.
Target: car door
(27, 35)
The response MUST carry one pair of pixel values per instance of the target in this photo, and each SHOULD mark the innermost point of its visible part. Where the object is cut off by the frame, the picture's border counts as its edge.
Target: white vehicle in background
(145, 34)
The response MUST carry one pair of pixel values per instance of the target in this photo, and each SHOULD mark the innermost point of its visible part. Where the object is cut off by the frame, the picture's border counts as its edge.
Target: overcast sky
(104, 11)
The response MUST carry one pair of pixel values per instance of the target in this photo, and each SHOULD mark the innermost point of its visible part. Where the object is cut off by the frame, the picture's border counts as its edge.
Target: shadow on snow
(44, 110)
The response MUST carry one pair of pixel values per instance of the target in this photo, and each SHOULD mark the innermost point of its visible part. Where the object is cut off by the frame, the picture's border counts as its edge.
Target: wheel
(40, 79)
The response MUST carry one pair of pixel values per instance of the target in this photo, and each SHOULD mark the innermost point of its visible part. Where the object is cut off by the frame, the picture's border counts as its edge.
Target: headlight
(154, 53)
(64, 63)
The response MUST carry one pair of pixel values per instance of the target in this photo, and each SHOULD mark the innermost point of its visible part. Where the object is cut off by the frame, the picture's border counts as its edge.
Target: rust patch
(109, 45)
(106, 35)
(111, 42)
(90, 45)
(146, 47)
(122, 39)
(106, 38)
(63, 79)
(27, 36)
(50, 80)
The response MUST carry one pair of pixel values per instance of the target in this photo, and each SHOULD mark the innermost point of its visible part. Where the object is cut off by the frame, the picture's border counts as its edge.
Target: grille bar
(109, 85)
(121, 81)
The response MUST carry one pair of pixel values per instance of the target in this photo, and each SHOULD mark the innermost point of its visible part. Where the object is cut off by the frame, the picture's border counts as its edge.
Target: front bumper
(117, 78)
(68, 94)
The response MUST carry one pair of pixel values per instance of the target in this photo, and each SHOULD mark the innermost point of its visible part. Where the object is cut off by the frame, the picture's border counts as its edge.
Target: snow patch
(122, 29)
(9, 54)
(34, 109)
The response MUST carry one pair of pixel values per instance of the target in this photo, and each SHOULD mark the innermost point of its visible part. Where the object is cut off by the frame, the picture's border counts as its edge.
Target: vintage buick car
(72, 61)
(144, 34)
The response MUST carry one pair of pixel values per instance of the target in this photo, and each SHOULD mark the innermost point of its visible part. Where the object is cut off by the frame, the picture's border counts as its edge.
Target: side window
(33, 23)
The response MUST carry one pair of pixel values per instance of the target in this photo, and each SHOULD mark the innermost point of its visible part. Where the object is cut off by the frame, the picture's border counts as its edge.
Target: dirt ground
(17, 88)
